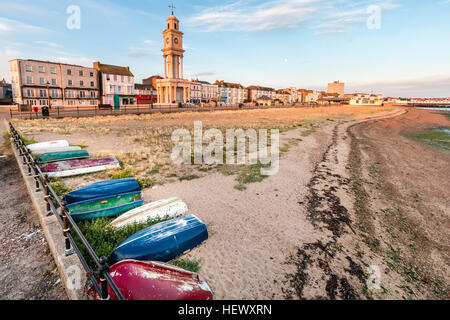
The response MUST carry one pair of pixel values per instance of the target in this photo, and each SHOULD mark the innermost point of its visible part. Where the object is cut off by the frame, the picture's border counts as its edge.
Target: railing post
(69, 250)
(47, 196)
(103, 268)
(36, 177)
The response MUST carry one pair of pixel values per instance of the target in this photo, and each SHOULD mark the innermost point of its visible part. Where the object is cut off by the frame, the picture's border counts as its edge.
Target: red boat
(148, 280)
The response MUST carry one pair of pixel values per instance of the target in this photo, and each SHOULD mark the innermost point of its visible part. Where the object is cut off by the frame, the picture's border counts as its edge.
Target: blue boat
(104, 199)
(163, 241)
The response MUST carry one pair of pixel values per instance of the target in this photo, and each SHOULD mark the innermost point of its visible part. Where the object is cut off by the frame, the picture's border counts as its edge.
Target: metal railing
(66, 221)
(77, 111)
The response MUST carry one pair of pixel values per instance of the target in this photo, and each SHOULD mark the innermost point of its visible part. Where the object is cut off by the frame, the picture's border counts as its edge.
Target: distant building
(336, 87)
(264, 101)
(5, 90)
(284, 96)
(231, 93)
(145, 93)
(366, 99)
(312, 96)
(43, 83)
(117, 85)
(256, 92)
(195, 92)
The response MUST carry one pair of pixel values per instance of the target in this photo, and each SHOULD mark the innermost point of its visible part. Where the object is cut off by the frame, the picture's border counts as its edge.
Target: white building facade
(117, 85)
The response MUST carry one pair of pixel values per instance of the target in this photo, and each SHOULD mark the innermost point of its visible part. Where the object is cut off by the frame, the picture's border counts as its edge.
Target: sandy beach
(312, 230)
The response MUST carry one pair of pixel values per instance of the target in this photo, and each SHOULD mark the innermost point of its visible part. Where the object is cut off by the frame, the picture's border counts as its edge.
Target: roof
(229, 84)
(143, 86)
(52, 62)
(110, 69)
(260, 88)
(264, 98)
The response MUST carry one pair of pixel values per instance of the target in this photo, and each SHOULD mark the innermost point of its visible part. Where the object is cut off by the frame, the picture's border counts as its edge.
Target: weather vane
(172, 6)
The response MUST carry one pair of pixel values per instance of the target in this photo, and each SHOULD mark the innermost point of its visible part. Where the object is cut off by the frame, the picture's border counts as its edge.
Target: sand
(298, 234)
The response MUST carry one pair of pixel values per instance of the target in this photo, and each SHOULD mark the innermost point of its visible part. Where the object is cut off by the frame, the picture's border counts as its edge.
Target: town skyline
(206, 40)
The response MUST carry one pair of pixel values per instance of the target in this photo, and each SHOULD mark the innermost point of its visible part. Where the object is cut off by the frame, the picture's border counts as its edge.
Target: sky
(398, 48)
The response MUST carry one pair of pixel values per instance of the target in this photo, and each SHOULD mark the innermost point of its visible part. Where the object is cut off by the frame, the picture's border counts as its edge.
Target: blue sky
(277, 43)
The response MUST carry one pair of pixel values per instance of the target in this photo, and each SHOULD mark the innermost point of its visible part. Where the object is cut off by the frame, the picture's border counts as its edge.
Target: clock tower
(173, 88)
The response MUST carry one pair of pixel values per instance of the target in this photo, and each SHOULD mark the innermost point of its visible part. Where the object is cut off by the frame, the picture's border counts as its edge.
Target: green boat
(105, 207)
(61, 156)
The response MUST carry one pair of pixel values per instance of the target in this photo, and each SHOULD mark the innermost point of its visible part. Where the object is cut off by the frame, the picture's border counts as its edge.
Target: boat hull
(48, 145)
(163, 241)
(105, 207)
(147, 280)
(62, 149)
(62, 156)
(103, 189)
(77, 167)
(167, 208)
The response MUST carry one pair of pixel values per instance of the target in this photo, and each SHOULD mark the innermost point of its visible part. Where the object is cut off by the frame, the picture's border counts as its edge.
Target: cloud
(346, 17)
(202, 74)
(150, 48)
(48, 43)
(240, 16)
(428, 86)
(325, 15)
(12, 27)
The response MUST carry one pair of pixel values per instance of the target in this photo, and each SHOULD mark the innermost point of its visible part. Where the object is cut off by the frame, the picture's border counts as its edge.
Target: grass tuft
(187, 264)
(189, 177)
(122, 174)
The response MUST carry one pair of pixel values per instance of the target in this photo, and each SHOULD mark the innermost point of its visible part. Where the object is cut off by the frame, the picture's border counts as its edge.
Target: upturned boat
(104, 199)
(163, 241)
(148, 280)
(76, 167)
(61, 156)
(167, 208)
(47, 145)
(49, 150)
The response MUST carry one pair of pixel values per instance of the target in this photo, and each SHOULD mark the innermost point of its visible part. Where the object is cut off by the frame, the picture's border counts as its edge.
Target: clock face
(175, 40)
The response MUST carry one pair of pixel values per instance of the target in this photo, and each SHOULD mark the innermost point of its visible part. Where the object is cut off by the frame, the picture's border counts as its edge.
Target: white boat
(167, 208)
(50, 150)
(70, 168)
(48, 145)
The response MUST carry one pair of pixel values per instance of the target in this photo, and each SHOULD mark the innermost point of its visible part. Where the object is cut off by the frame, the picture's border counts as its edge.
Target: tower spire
(172, 7)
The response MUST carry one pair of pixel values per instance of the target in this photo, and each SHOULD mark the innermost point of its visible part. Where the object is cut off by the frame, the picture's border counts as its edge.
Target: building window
(70, 82)
(42, 94)
(92, 83)
(41, 69)
(54, 82)
(69, 72)
(81, 83)
(81, 73)
(92, 94)
(29, 79)
(92, 74)
(28, 68)
(42, 81)
(53, 70)
(108, 77)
